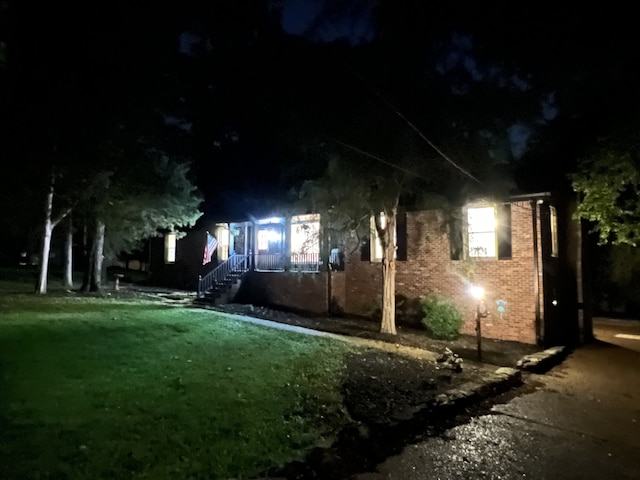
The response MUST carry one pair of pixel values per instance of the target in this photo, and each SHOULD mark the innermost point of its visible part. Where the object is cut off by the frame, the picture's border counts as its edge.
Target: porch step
(223, 291)
(221, 284)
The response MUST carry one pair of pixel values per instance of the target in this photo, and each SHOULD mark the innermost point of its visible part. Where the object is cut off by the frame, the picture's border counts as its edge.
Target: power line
(375, 157)
(413, 126)
(415, 129)
(386, 162)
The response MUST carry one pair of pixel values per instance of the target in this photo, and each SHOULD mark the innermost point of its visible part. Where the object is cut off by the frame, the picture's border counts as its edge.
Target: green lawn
(94, 388)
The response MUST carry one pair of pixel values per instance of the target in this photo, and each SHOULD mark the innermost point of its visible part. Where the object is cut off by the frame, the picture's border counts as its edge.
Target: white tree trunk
(49, 225)
(41, 287)
(68, 258)
(98, 256)
(388, 323)
(44, 253)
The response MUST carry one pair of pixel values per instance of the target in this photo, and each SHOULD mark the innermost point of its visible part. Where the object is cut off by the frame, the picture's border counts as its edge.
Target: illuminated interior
(268, 236)
(263, 240)
(554, 231)
(376, 244)
(170, 248)
(222, 234)
(481, 232)
(305, 234)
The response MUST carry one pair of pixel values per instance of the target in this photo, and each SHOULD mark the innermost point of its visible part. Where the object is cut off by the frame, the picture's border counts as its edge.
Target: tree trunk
(49, 225)
(41, 287)
(388, 323)
(68, 258)
(97, 256)
(87, 264)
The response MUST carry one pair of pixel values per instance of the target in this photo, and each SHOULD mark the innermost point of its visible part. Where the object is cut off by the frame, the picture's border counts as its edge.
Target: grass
(94, 388)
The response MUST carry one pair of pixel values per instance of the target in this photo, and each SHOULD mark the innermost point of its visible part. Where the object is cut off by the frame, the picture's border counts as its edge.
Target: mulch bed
(494, 352)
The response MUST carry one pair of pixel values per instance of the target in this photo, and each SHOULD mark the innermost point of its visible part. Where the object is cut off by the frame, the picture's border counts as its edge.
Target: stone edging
(542, 361)
(501, 380)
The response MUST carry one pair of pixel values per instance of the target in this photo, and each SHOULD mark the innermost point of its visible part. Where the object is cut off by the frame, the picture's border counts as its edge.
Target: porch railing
(305, 262)
(270, 262)
(233, 265)
(276, 262)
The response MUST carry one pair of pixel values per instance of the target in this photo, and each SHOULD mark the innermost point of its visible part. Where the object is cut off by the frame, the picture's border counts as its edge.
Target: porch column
(287, 244)
(248, 244)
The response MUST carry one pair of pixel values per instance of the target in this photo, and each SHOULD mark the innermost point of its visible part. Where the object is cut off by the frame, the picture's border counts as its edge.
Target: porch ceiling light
(267, 221)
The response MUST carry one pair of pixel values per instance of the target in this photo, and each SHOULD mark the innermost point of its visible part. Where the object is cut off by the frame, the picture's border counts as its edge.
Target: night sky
(251, 91)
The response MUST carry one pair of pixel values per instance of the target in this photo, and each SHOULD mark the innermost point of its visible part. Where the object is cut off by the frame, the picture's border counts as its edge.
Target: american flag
(209, 248)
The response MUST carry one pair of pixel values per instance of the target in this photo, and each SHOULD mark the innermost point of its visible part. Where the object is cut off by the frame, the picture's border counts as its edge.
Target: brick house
(525, 252)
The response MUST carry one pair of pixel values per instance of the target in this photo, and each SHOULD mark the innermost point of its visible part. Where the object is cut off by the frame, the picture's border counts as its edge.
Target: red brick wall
(363, 286)
(338, 292)
(298, 291)
(428, 269)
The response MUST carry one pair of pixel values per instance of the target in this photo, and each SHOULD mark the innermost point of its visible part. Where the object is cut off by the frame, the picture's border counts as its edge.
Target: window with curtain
(170, 248)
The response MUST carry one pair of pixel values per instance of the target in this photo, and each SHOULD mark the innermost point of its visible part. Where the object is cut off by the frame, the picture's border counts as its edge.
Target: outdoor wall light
(476, 292)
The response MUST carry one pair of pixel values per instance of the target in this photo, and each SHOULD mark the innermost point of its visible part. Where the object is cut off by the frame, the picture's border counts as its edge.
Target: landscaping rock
(542, 361)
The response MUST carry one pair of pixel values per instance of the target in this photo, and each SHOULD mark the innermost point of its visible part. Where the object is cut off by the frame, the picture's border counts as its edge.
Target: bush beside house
(441, 318)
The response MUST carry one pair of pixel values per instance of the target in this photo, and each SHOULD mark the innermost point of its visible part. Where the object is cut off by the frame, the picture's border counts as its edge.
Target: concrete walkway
(495, 353)
(412, 352)
(538, 362)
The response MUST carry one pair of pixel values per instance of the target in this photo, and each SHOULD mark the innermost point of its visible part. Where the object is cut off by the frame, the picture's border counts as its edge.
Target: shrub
(408, 311)
(441, 317)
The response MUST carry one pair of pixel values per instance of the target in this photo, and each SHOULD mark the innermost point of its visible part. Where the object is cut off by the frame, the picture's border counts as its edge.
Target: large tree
(51, 220)
(3, 45)
(70, 85)
(607, 183)
(140, 191)
(609, 187)
(361, 192)
(424, 124)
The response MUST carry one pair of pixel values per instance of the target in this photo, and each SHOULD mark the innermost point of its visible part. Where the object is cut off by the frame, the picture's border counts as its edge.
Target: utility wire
(413, 126)
(371, 155)
(375, 157)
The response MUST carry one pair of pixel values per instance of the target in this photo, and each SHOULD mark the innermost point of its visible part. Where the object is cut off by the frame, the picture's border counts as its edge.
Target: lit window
(270, 235)
(305, 242)
(222, 234)
(554, 231)
(270, 238)
(263, 240)
(305, 234)
(481, 232)
(376, 243)
(170, 248)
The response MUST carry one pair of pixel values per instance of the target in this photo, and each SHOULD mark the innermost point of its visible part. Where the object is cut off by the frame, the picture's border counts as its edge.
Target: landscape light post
(481, 312)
